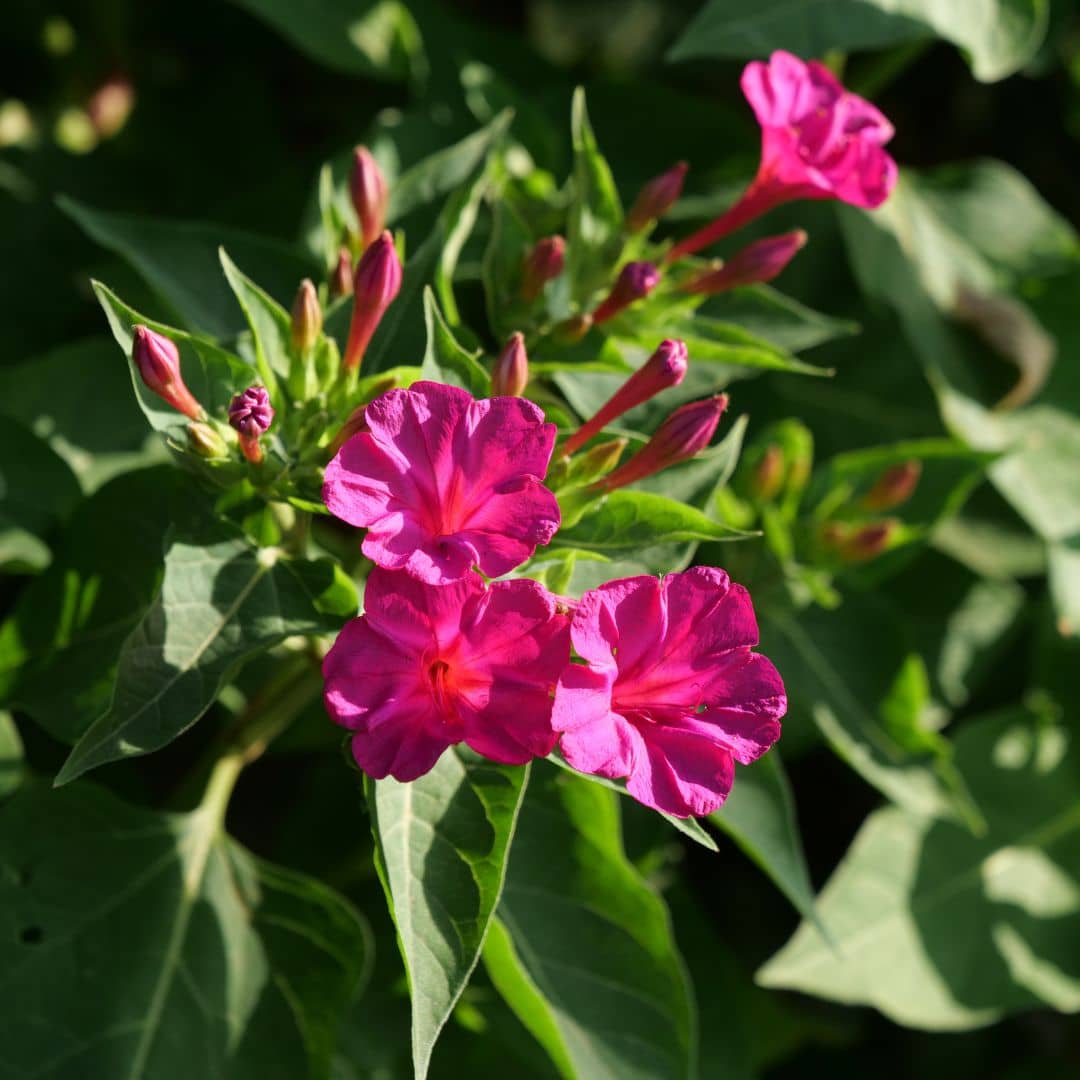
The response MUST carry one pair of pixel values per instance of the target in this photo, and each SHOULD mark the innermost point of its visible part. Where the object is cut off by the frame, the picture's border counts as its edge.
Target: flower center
(443, 689)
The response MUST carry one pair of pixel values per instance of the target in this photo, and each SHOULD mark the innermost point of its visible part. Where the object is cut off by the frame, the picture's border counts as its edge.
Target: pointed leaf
(11, 755)
(442, 844)
(221, 601)
(583, 950)
(445, 360)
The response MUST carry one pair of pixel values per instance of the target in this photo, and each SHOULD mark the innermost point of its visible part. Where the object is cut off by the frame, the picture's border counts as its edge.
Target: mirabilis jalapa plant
(488, 510)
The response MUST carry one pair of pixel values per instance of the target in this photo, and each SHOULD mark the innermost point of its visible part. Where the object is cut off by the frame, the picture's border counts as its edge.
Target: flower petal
(681, 773)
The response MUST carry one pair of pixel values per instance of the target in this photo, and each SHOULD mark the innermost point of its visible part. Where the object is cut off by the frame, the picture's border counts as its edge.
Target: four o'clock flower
(306, 319)
(684, 434)
(666, 367)
(341, 280)
(376, 284)
(818, 141)
(428, 666)
(510, 375)
(670, 694)
(656, 197)
(158, 362)
(444, 483)
(369, 193)
(543, 263)
(251, 414)
(893, 487)
(757, 263)
(635, 281)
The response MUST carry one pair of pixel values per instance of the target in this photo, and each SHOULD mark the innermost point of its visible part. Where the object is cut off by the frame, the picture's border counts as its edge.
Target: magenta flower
(443, 482)
(657, 197)
(158, 362)
(757, 263)
(635, 281)
(818, 141)
(428, 666)
(543, 263)
(670, 694)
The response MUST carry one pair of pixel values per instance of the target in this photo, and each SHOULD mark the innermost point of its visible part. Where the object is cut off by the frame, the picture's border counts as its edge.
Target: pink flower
(818, 141)
(428, 666)
(670, 694)
(443, 482)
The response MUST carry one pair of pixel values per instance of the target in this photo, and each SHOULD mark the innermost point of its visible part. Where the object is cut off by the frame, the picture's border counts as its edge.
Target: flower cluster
(450, 490)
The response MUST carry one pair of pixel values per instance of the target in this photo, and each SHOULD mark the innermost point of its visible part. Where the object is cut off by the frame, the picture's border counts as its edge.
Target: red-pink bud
(893, 487)
(657, 197)
(758, 262)
(110, 106)
(635, 281)
(510, 375)
(367, 187)
(377, 282)
(158, 361)
(341, 280)
(685, 433)
(542, 264)
(666, 367)
(869, 541)
(251, 414)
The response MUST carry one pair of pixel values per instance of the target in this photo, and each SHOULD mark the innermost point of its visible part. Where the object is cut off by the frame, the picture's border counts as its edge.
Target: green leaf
(179, 260)
(582, 949)
(833, 674)
(759, 815)
(459, 220)
(11, 755)
(378, 38)
(59, 645)
(51, 392)
(687, 826)
(445, 360)
(637, 519)
(442, 844)
(230, 967)
(271, 324)
(221, 601)
(998, 37)
(211, 374)
(37, 489)
(595, 217)
(1063, 564)
(969, 928)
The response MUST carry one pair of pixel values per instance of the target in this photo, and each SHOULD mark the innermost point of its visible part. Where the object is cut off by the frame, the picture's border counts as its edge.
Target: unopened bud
(666, 367)
(657, 197)
(599, 460)
(510, 375)
(869, 541)
(759, 262)
(684, 434)
(893, 487)
(543, 263)
(367, 187)
(767, 477)
(635, 281)
(573, 329)
(158, 362)
(205, 441)
(341, 280)
(306, 317)
(110, 106)
(377, 283)
(251, 414)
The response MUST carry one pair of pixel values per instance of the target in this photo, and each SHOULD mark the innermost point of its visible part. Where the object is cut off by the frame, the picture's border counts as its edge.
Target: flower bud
(251, 414)
(767, 477)
(377, 282)
(306, 317)
(510, 375)
(369, 193)
(110, 106)
(666, 367)
(573, 329)
(599, 459)
(656, 197)
(158, 361)
(205, 441)
(684, 434)
(893, 487)
(758, 262)
(542, 264)
(635, 281)
(341, 280)
(869, 541)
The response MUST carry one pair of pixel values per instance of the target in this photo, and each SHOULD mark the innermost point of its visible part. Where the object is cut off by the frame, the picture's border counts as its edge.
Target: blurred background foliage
(222, 114)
